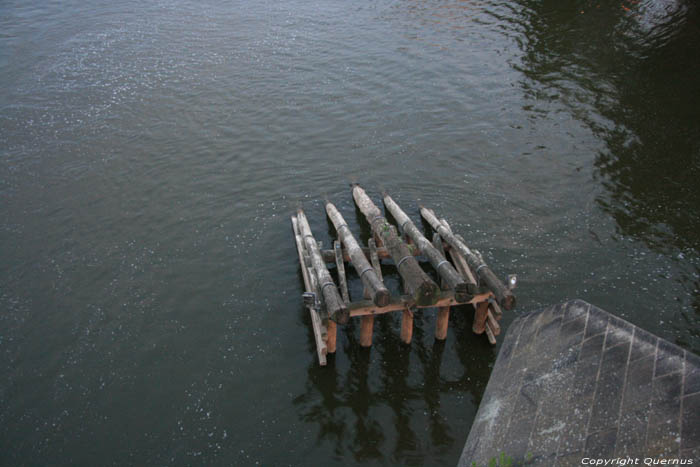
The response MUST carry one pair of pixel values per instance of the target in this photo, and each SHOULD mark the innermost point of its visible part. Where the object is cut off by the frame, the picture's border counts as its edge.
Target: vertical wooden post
(480, 316)
(442, 322)
(366, 330)
(406, 326)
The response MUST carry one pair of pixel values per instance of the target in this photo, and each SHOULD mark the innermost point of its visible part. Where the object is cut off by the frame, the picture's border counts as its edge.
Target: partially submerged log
(453, 279)
(373, 284)
(504, 295)
(310, 286)
(335, 306)
(417, 283)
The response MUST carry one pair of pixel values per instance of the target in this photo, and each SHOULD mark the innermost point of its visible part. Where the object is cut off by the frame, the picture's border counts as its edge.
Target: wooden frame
(329, 303)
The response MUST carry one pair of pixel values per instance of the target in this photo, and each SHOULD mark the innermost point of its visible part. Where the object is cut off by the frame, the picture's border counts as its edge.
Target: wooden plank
(493, 324)
(490, 334)
(443, 267)
(373, 284)
(418, 285)
(334, 304)
(341, 272)
(320, 331)
(366, 307)
(480, 317)
(504, 295)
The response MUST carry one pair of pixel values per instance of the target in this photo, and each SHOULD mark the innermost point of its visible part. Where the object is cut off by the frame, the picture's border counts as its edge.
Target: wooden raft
(465, 278)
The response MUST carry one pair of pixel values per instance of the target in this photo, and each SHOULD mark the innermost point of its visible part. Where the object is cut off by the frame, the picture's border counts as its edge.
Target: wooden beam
(406, 326)
(480, 317)
(443, 267)
(335, 307)
(366, 307)
(493, 324)
(418, 285)
(373, 284)
(504, 295)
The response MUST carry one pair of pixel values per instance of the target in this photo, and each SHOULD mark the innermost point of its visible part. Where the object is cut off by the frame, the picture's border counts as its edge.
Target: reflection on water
(384, 403)
(629, 70)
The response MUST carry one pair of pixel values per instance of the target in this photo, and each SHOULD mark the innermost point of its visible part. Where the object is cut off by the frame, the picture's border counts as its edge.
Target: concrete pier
(573, 382)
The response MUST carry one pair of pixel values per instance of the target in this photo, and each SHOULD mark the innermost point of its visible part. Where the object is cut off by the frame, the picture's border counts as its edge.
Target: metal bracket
(310, 300)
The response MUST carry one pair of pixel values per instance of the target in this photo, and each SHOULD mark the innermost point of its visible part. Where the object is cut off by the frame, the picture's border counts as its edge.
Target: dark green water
(151, 154)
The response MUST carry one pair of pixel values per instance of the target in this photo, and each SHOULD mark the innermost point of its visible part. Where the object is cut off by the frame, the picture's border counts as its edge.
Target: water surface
(151, 154)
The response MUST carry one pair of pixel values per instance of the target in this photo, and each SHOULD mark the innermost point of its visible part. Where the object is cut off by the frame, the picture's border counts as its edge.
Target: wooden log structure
(418, 285)
(504, 296)
(447, 272)
(370, 279)
(330, 305)
(334, 304)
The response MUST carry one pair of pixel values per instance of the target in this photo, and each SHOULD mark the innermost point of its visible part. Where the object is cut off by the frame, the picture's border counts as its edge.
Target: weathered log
(340, 265)
(374, 285)
(443, 267)
(335, 307)
(459, 261)
(504, 296)
(320, 331)
(493, 324)
(329, 255)
(480, 316)
(417, 283)
(443, 313)
(490, 334)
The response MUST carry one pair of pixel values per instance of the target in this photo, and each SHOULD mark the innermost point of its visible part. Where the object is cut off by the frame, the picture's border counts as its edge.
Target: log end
(341, 315)
(462, 293)
(507, 301)
(427, 294)
(382, 297)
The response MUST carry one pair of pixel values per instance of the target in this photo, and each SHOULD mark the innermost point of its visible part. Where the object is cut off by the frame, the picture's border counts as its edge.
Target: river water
(151, 154)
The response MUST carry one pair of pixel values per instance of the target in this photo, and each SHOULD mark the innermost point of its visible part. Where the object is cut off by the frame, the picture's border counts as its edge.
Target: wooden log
(490, 334)
(332, 326)
(366, 330)
(443, 267)
(373, 284)
(418, 285)
(320, 331)
(459, 261)
(480, 317)
(496, 310)
(367, 307)
(340, 265)
(329, 255)
(442, 323)
(406, 326)
(504, 295)
(443, 313)
(335, 307)
(493, 324)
